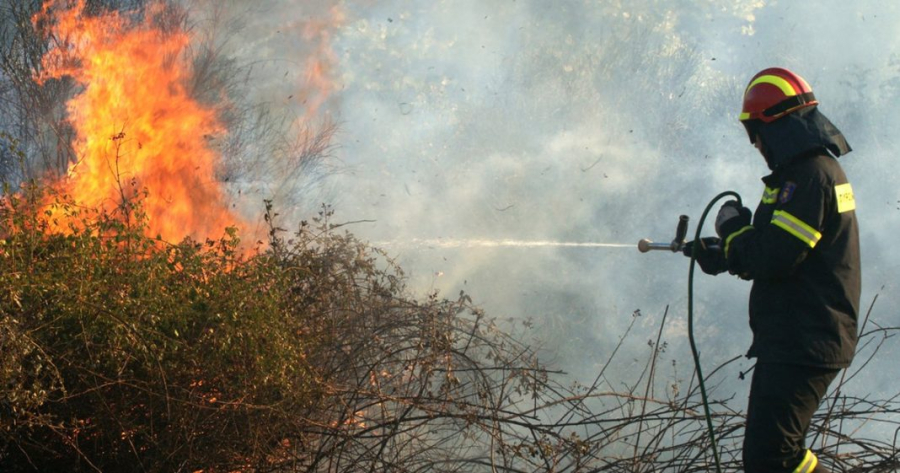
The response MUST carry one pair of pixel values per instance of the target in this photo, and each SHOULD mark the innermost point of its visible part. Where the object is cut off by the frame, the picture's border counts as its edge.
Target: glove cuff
(733, 235)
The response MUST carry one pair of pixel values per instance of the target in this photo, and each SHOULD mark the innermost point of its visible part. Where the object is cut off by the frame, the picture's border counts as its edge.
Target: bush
(121, 350)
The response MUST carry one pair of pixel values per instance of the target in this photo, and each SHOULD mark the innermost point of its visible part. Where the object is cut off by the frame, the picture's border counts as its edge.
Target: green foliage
(119, 350)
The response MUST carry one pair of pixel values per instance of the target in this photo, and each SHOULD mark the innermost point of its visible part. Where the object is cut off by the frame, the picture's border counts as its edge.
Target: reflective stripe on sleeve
(793, 225)
(808, 464)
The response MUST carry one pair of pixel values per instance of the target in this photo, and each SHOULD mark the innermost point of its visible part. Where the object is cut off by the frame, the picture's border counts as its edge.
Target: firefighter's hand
(731, 218)
(709, 254)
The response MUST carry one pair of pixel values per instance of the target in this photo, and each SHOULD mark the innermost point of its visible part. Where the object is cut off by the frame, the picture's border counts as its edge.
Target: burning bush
(120, 350)
(125, 346)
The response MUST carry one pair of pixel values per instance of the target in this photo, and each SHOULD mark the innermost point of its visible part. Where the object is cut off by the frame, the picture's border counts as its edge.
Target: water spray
(504, 243)
(643, 246)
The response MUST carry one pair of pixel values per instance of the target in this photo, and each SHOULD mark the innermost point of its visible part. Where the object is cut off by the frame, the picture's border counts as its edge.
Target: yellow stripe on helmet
(782, 84)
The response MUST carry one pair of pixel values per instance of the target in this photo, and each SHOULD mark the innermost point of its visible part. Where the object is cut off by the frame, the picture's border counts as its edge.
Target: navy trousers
(783, 399)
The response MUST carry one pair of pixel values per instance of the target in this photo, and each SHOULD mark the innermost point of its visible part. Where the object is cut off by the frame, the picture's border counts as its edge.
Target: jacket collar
(777, 176)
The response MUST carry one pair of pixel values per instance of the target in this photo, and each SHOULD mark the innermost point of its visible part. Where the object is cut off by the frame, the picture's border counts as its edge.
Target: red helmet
(774, 93)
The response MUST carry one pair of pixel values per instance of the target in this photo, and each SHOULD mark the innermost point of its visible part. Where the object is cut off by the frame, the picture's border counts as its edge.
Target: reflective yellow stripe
(808, 464)
(782, 84)
(770, 195)
(845, 200)
(796, 227)
(744, 116)
(731, 237)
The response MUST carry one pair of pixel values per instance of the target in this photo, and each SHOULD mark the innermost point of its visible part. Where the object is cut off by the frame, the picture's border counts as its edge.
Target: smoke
(580, 121)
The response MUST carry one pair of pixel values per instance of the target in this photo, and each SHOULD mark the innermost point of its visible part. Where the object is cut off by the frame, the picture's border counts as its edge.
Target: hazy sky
(587, 121)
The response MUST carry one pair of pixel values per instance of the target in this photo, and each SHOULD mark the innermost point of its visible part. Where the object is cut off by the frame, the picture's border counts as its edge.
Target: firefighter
(801, 250)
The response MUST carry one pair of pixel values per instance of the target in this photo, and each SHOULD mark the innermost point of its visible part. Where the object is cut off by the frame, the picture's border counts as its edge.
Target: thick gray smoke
(583, 121)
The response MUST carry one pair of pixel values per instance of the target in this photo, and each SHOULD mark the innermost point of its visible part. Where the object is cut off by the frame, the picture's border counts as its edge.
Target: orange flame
(318, 83)
(137, 127)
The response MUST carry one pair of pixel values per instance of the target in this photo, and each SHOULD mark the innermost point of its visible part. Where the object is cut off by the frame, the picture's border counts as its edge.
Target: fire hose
(676, 246)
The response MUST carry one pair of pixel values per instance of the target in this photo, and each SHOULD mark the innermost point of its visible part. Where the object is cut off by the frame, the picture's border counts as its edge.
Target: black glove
(709, 253)
(731, 218)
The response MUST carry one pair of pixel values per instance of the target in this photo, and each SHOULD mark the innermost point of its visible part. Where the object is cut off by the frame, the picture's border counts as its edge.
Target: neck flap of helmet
(799, 133)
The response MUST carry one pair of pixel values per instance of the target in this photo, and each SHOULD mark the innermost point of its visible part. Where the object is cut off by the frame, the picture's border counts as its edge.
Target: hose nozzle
(675, 246)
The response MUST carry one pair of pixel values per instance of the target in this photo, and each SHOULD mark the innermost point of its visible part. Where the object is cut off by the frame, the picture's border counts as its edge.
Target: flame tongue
(136, 125)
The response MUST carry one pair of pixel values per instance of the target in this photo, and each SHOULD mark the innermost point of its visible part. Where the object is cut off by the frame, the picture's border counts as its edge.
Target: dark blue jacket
(802, 250)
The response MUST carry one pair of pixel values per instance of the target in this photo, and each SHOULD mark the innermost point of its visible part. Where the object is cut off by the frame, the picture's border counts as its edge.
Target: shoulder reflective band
(808, 464)
(845, 200)
(731, 237)
(770, 195)
(796, 227)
